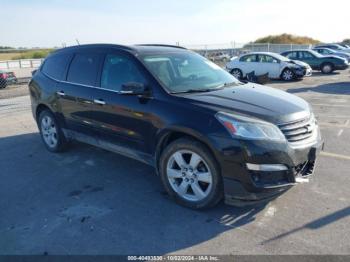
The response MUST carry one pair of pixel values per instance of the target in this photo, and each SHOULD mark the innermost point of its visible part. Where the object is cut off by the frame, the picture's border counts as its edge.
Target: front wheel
(237, 73)
(190, 174)
(287, 75)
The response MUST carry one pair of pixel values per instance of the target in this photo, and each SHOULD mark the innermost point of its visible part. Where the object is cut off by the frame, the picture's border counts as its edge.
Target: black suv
(207, 134)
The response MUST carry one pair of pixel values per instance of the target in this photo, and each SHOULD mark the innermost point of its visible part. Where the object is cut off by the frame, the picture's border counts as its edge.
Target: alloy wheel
(189, 175)
(287, 75)
(236, 73)
(49, 131)
(327, 69)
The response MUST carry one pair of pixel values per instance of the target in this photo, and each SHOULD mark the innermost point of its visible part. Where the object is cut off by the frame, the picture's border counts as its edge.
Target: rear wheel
(190, 174)
(51, 133)
(287, 75)
(237, 73)
(327, 68)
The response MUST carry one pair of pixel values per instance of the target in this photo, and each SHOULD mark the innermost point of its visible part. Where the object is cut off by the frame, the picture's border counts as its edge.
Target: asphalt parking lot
(90, 201)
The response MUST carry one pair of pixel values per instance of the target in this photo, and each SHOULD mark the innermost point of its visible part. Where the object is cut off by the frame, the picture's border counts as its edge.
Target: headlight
(248, 128)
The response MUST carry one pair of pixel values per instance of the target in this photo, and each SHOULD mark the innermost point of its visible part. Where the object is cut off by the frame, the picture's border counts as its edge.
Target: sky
(50, 23)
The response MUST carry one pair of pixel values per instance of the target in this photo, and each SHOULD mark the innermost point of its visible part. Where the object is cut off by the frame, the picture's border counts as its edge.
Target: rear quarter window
(55, 66)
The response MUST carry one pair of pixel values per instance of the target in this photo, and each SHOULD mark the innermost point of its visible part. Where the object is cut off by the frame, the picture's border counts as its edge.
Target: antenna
(77, 41)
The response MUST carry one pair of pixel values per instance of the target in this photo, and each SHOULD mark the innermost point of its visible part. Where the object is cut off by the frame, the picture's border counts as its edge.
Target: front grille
(299, 130)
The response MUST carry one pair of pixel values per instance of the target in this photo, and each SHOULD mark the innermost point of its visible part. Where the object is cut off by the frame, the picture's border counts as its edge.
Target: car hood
(299, 63)
(253, 100)
(333, 56)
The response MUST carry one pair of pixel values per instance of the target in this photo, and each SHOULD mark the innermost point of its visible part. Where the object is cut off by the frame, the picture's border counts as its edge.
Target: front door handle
(60, 93)
(99, 101)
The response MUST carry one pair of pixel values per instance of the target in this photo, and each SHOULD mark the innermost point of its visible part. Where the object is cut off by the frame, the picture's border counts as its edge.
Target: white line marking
(340, 132)
(330, 105)
(330, 116)
(333, 125)
(323, 153)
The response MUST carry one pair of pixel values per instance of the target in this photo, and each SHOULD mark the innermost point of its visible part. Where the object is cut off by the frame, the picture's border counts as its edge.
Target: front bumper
(246, 180)
(341, 67)
(303, 72)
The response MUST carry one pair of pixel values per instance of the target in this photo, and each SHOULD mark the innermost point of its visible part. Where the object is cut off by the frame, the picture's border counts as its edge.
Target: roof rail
(96, 45)
(174, 46)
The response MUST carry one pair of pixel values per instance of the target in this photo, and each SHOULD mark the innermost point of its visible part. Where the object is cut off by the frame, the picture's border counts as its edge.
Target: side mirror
(134, 88)
(34, 71)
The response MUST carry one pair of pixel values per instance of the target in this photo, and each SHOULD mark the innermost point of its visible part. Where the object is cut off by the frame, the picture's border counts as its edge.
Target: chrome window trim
(72, 83)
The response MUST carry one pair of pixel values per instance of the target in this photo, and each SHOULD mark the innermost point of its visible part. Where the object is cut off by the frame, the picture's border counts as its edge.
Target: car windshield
(187, 72)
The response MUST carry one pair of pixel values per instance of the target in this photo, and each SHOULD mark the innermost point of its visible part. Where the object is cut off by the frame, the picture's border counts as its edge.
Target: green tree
(287, 39)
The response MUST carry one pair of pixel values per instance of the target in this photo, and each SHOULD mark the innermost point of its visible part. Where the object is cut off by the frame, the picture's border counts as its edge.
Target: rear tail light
(3, 75)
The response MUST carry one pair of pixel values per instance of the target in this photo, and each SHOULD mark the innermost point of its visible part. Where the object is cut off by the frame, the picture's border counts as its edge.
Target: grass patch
(25, 54)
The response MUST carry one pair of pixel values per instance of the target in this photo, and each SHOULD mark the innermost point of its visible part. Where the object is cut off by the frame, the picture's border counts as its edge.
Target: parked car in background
(327, 51)
(7, 78)
(335, 47)
(275, 65)
(208, 135)
(219, 56)
(326, 64)
(11, 78)
(344, 45)
(3, 81)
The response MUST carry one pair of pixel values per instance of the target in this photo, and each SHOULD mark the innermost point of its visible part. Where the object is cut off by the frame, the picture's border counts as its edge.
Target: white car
(219, 56)
(277, 66)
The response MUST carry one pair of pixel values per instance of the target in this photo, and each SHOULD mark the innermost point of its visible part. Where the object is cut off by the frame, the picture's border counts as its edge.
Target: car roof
(260, 53)
(135, 49)
(296, 50)
(322, 47)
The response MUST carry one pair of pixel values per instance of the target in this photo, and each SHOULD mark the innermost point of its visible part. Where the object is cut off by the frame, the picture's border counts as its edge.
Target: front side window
(118, 70)
(187, 71)
(267, 59)
(83, 69)
(55, 66)
(248, 58)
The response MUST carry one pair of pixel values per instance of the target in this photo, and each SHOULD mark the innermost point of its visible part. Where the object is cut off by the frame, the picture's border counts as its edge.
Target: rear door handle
(60, 93)
(99, 101)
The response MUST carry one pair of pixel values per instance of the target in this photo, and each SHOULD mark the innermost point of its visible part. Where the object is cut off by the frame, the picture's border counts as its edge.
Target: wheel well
(235, 68)
(171, 137)
(286, 68)
(39, 109)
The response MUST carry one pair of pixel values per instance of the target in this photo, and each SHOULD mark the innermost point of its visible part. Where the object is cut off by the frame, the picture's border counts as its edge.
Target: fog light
(267, 167)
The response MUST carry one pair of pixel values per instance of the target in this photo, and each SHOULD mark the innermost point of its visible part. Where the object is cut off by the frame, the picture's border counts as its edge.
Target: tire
(197, 185)
(327, 68)
(287, 75)
(51, 133)
(3, 83)
(237, 73)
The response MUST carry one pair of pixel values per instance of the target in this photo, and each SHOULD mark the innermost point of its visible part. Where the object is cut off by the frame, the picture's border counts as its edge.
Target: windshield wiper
(196, 90)
(228, 84)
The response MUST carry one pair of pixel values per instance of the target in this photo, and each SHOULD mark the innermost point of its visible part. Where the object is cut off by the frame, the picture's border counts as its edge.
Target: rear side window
(306, 55)
(292, 55)
(55, 66)
(83, 69)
